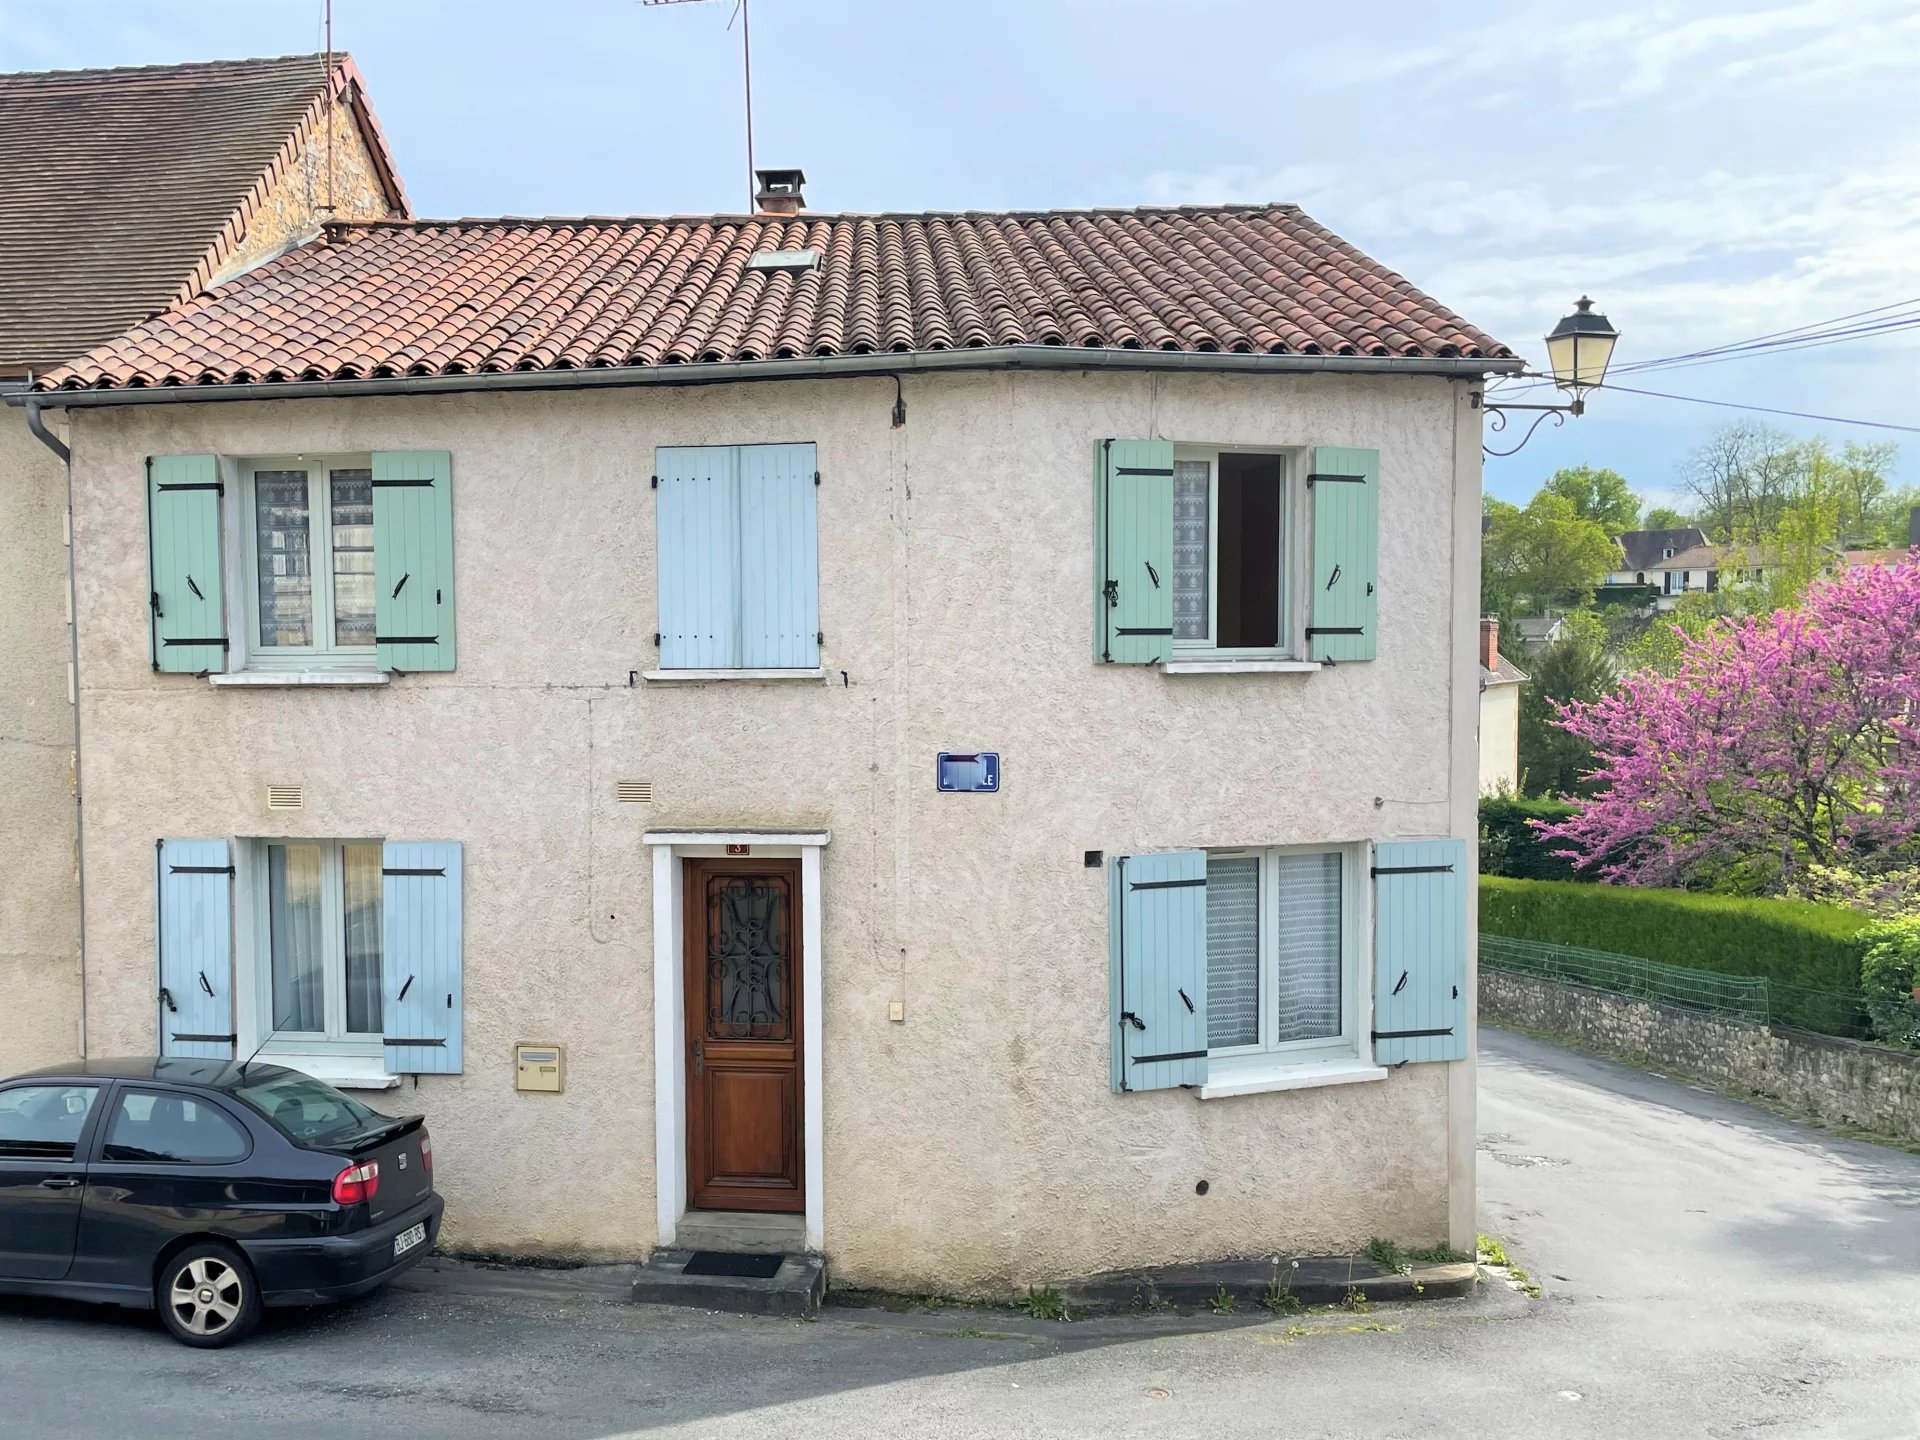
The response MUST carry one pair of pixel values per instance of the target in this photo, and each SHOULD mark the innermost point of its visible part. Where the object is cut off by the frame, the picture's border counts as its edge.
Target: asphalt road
(1709, 1270)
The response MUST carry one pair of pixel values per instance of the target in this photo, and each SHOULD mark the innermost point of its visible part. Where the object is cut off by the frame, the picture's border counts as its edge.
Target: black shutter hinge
(819, 637)
(816, 479)
(655, 483)
(1132, 1019)
(656, 639)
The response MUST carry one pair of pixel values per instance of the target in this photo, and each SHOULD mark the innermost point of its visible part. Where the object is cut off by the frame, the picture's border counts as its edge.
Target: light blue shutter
(779, 558)
(1133, 551)
(420, 956)
(1420, 950)
(196, 949)
(413, 559)
(185, 600)
(1158, 936)
(1341, 618)
(698, 536)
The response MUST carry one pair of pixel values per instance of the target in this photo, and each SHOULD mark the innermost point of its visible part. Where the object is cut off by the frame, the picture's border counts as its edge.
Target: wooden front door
(744, 1119)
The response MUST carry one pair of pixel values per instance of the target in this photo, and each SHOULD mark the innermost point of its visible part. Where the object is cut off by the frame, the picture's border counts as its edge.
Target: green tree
(1602, 496)
(1576, 667)
(1545, 555)
(1664, 517)
(1659, 646)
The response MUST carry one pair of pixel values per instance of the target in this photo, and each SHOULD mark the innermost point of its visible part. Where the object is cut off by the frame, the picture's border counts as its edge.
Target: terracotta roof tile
(118, 186)
(465, 296)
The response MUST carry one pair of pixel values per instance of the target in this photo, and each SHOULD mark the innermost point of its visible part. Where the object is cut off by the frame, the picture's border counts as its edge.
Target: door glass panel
(1192, 548)
(43, 1122)
(352, 505)
(172, 1129)
(295, 920)
(283, 543)
(362, 885)
(749, 958)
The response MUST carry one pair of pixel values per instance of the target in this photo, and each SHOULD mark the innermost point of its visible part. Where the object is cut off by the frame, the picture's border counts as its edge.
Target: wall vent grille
(285, 797)
(633, 792)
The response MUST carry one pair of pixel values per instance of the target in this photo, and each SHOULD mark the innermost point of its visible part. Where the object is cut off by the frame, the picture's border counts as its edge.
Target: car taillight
(357, 1183)
(426, 1152)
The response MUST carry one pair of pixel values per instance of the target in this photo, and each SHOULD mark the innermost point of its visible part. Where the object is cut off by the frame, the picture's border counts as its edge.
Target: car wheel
(207, 1296)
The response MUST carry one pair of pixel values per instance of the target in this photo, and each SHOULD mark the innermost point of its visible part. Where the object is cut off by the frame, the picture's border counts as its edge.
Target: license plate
(409, 1238)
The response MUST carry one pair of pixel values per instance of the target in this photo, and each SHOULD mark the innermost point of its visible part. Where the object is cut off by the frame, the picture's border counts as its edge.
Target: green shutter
(421, 960)
(185, 600)
(413, 559)
(1133, 551)
(1420, 950)
(1157, 935)
(194, 920)
(1341, 618)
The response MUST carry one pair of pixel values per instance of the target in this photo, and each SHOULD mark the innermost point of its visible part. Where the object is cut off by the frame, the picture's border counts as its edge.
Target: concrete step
(745, 1231)
(793, 1291)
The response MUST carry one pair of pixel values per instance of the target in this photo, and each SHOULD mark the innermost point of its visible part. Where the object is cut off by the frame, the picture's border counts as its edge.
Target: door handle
(60, 1182)
(699, 1058)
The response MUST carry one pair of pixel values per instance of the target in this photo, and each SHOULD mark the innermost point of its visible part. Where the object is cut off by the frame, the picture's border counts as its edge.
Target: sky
(1708, 172)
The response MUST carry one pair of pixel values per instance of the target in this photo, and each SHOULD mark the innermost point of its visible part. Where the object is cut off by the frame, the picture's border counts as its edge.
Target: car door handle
(60, 1182)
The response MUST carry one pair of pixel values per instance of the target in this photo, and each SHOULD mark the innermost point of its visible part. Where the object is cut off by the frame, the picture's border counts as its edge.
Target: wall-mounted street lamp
(1579, 349)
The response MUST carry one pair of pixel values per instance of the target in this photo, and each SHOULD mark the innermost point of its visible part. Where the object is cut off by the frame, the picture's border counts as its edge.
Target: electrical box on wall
(539, 1067)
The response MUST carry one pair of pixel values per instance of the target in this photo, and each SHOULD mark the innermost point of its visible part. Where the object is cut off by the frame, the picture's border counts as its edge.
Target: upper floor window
(1233, 524)
(309, 560)
(739, 561)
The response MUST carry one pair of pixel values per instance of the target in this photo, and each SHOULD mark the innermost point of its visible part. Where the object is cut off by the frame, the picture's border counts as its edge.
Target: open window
(1233, 526)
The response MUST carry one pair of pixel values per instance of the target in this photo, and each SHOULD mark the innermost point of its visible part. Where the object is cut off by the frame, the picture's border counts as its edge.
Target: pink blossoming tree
(1779, 742)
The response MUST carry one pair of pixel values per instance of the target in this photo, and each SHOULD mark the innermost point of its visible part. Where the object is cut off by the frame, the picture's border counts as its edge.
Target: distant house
(1856, 559)
(1500, 682)
(1645, 551)
(1538, 633)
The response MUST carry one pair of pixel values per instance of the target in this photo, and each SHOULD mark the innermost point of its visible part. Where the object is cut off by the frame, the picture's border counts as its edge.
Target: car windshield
(311, 1111)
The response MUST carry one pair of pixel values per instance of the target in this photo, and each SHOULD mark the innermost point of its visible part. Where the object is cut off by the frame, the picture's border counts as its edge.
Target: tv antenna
(746, 71)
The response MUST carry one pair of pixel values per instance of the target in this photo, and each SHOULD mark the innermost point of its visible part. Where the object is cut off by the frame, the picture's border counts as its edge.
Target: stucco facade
(974, 1145)
(1499, 737)
(39, 897)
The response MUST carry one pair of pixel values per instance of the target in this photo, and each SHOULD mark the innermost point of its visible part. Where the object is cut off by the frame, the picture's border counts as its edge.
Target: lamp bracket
(1497, 419)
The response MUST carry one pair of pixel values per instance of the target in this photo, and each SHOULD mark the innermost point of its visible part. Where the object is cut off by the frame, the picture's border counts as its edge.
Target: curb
(1315, 1281)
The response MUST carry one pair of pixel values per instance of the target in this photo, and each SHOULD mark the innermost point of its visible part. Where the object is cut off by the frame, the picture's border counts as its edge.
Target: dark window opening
(1249, 530)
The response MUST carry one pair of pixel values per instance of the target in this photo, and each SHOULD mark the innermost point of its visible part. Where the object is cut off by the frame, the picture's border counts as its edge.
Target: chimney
(1490, 642)
(780, 191)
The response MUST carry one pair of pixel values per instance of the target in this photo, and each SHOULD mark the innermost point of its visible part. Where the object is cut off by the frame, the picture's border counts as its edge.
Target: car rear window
(311, 1111)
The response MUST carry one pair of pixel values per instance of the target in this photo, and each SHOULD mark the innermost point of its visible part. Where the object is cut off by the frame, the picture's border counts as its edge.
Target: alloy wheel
(206, 1295)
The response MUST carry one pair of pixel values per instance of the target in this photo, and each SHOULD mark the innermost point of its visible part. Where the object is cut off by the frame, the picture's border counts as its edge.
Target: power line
(1766, 409)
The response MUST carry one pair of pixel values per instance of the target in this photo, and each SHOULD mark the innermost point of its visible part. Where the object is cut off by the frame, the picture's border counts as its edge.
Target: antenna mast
(746, 71)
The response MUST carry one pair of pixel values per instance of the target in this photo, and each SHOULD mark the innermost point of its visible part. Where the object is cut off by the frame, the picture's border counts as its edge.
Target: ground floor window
(1280, 953)
(318, 952)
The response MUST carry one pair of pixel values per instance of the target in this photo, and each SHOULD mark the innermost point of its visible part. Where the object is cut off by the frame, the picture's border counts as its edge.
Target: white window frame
(334, 1055)
(1226, 1063)
(253, 655)
(1294, 519)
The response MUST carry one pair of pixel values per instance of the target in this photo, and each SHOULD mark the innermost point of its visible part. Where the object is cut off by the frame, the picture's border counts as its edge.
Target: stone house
(953, 734)
(123, 192)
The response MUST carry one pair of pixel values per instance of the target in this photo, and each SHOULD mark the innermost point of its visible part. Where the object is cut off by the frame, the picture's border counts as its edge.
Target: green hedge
(1810, 954)
(1509, 845)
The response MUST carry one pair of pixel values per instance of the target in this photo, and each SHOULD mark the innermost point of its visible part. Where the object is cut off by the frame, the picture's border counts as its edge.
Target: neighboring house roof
(1538, 627)
(1717, 557)
(451, 298)
(1505, 673)
(1856, 559)
(121, 191)
(1645, 548)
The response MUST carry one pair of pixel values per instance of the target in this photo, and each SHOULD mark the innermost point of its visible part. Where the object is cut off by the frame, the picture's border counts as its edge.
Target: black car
(205, 1190)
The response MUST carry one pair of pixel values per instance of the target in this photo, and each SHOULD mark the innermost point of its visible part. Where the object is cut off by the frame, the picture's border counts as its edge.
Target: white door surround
(670, 849)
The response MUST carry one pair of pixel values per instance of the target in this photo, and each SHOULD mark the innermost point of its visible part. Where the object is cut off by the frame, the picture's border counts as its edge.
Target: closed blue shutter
(779, 558)
(185, 599)
(1158, 936)
(196, 949)
(420, 956)
(413, 559)
(1133, 551)
(699, 534)
(1342, 610)
(1420, 950)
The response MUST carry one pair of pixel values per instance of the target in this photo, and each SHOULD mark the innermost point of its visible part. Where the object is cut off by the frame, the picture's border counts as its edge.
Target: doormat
(745, 1267)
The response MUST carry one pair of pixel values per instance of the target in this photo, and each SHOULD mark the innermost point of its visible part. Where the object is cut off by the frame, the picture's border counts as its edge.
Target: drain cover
(745, 1267)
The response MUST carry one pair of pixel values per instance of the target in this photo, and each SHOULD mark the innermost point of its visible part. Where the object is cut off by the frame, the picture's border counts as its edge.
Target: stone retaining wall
(1840, 1082)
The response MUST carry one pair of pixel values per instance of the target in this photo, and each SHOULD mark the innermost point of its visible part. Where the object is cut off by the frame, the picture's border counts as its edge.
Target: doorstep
(1318, 1280)
(696, 1280)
